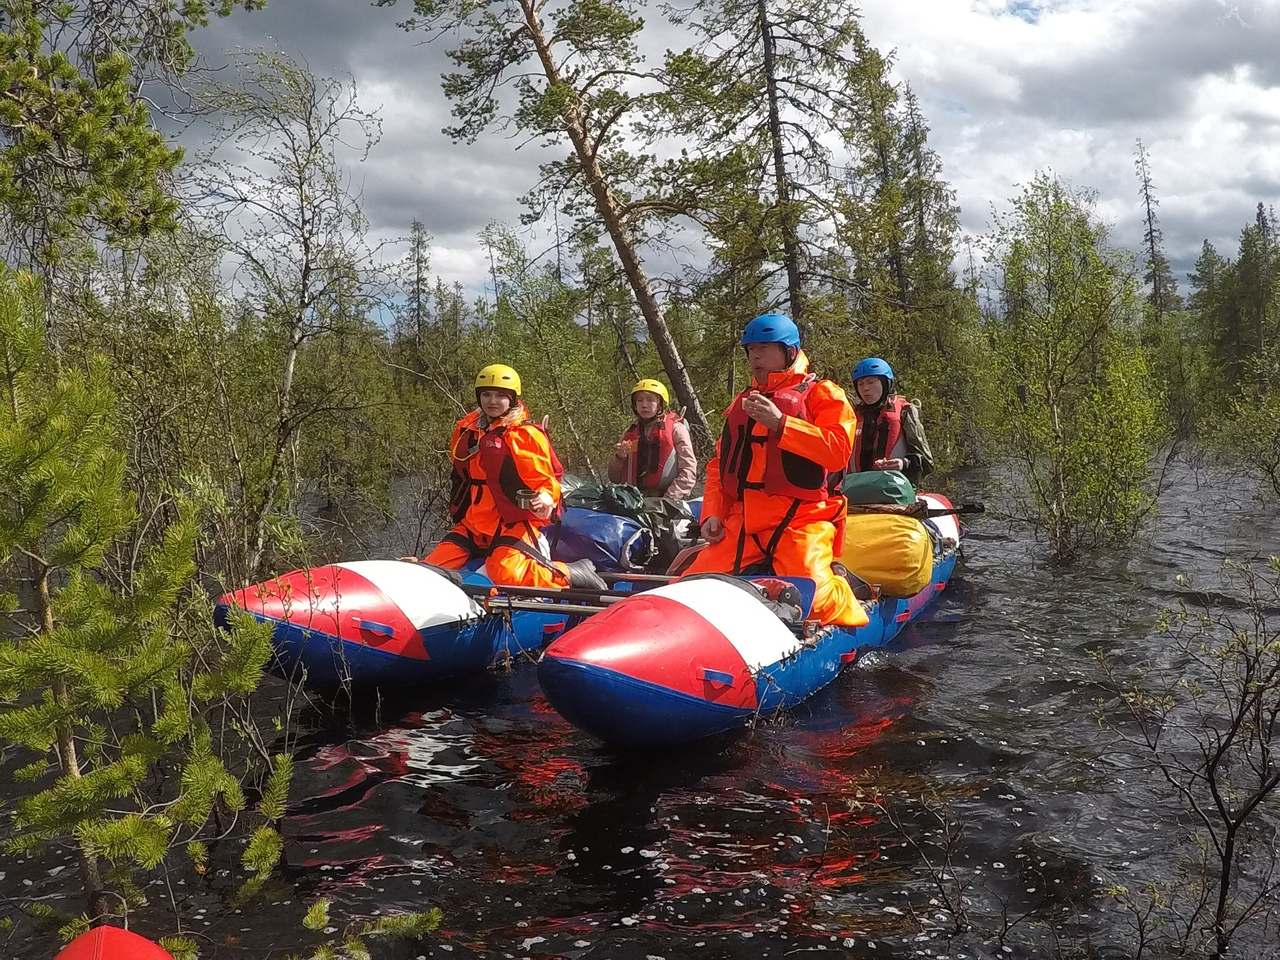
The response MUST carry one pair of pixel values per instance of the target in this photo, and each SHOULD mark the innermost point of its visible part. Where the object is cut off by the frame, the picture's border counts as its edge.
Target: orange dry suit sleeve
(826, 439)
(531, 452)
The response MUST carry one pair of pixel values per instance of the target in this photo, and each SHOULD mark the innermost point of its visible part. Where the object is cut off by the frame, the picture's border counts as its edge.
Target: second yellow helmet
(498, 376)
(653, 386)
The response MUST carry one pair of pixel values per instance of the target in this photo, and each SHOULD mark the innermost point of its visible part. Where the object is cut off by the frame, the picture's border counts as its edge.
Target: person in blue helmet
(890, 435)
(766, 498)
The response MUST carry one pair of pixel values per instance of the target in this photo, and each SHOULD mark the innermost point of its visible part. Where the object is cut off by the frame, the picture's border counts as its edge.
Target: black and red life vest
(785, 474)
(503, 480)
(880, 436)
(652, 467)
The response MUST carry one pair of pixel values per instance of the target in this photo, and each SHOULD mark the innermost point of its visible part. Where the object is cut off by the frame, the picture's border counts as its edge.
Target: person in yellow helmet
(656, 452)
(505, 489)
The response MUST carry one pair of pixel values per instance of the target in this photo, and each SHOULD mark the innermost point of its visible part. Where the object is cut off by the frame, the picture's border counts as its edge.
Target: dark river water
(823, 833)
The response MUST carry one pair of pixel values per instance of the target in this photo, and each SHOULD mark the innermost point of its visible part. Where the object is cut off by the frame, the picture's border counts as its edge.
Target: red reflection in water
(758, 834)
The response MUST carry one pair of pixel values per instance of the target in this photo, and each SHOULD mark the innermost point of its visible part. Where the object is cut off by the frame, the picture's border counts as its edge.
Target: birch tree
(290, 218)
(1078, 408)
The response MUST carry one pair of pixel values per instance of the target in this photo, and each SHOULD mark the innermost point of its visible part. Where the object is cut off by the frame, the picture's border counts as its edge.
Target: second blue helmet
(872, 367)
(772, 328)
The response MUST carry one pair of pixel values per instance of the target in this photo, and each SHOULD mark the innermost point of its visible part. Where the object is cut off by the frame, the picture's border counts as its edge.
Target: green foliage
(263, 851)
(404, 926)
(81, 161)
(401, 926)
(317, 917)
(276, 794)
(1078, 418)
(1249, 433)
(98, 681)
(80, 155)
(68, 931)
(182, 948)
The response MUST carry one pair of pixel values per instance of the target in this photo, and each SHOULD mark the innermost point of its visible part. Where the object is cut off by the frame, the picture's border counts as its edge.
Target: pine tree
(570, 67)
(1212, 304)
(1174, 362)
(109, 691)
(759, 99)
(1163, 295)
(80, 159)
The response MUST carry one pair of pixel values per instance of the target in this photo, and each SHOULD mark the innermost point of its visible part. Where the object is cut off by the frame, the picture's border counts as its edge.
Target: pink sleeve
(686, 464)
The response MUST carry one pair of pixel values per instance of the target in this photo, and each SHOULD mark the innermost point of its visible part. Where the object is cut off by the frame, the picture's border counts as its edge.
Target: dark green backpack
(878, 486)
(670, 523)
(620, 499)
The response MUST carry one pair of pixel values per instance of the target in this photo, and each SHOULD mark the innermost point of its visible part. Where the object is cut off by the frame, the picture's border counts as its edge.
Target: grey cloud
(1149, 76)
(1080, 119)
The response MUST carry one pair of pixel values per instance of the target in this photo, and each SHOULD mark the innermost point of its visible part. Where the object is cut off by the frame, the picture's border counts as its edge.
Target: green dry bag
(878, 486)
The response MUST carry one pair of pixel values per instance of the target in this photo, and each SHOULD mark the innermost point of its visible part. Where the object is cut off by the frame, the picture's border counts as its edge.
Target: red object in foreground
(112, 943)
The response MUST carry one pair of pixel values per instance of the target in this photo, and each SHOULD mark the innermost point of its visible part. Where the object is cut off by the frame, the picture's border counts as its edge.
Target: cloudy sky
(1009, 87)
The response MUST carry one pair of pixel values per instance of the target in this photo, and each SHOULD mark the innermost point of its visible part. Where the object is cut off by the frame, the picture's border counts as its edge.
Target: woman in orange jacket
(505, 489)
(766, 496)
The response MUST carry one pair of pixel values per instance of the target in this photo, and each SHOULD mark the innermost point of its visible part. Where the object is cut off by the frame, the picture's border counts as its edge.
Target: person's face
(764, 359)
(646, 404)
(495, 403)
(870, 389)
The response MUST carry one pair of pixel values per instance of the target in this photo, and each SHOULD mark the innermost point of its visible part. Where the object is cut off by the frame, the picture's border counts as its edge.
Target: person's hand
(712, 530)
(761, 409)
(890, 463)
(541, 504)
(622, 449)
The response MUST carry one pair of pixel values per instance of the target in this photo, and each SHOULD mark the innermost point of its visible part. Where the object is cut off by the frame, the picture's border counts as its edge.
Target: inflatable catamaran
(709, 654)
(391, 624)
(652, 660)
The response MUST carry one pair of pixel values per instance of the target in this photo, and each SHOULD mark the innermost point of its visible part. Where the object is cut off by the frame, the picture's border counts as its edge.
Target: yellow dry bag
(890, 550)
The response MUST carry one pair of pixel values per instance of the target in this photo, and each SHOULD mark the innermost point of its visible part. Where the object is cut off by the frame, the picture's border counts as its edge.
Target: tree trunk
(782, 186)
(619, 232)
(94, 891)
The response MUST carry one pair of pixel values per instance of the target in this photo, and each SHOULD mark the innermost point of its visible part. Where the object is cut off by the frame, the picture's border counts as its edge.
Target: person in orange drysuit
(505, 489)
(766, 495)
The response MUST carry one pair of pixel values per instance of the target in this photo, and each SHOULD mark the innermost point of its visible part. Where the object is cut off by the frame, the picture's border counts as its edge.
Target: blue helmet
(873, 367)
(772, 328)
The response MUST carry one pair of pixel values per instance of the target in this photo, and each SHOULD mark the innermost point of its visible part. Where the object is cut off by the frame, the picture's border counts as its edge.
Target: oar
(568, 609)
(963, 509)
(637, 577)
(483, 591)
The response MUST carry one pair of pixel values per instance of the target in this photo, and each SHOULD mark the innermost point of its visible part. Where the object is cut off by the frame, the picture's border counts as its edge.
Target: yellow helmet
(498, 376)
(653, 386)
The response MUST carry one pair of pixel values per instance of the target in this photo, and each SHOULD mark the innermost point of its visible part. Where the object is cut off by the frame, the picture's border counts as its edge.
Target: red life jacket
(503, 479)
(879, 437)
(653, 466)
(785, 474)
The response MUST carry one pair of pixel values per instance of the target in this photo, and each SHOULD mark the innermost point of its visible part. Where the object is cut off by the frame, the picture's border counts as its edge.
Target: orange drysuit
(490, 522)
(755, 502)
